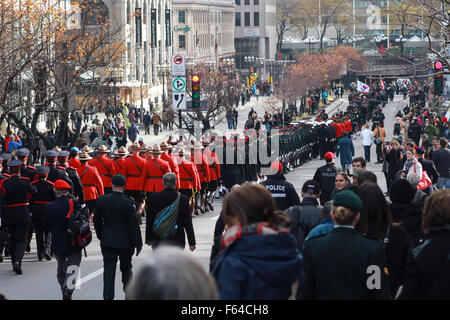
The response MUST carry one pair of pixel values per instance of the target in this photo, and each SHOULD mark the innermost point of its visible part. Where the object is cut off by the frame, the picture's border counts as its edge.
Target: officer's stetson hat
(164, 146)
(156, 149)
(84, 156)
(197, 146)
(102, 149)
(122, 151)
(135, 146)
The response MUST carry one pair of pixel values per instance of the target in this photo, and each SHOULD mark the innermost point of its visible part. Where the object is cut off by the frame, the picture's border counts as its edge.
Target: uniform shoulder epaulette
(25, 178)
(72, 168)
(62, 168)
(32, 168)
(7, 175)
(33, 182)
(49, 182)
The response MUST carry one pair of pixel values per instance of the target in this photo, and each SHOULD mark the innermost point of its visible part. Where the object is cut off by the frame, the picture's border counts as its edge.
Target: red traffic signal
(195, 78)
(437, 65)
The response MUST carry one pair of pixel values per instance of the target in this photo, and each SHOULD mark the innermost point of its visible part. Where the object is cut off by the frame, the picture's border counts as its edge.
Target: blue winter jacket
(258, 267)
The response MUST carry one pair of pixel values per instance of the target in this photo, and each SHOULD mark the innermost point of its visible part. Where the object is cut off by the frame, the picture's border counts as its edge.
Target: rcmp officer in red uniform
(201, 163)
(134, 167)
(214, 174)
(166, 156)
(189, 180)
(119, 163)
(16, 192)
(105, 167)
(91, 181)
(44, 193)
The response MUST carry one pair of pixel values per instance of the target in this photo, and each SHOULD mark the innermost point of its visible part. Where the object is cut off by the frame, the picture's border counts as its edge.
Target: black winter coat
(410, 217)
(282, 191)
(427, 274)
(159, 201)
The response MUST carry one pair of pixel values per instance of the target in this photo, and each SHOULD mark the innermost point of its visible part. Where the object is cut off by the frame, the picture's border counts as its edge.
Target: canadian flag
(362, 87)
(382, 85)
(382, 49)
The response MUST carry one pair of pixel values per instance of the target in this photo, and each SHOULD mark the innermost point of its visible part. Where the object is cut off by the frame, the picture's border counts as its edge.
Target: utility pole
(388, 24)
(354, 23)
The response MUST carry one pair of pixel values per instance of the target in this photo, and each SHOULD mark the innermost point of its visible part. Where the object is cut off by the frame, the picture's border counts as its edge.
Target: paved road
(39, 278)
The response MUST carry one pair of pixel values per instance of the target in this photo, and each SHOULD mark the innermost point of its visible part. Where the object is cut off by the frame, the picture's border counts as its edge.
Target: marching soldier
(77, 189)
(189, 180)
(5, 157)
(91, 181)
(26, 171)
(55, 173)
(171, 160)
(44, 193)
(214, 176)
(133, 169)
(201, 162)
(3, 229)
(154, 169)
(16, 216)
(119, 163)
(29, 172)
(104, 167)
(74, 162)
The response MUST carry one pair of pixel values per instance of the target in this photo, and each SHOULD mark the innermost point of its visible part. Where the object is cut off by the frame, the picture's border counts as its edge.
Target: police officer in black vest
(325, 177)
(282, 191)
(16, 191)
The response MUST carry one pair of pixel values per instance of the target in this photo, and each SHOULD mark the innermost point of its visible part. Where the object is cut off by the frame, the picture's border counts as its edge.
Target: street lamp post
(162, 72)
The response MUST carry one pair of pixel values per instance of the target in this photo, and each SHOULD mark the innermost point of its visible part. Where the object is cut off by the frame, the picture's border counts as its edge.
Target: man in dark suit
(427, 165)
(160, 200)
(117, 228)
(68, 258)
(343, 265)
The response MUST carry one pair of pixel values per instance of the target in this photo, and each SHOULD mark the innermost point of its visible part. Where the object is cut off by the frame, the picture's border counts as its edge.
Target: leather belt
(105, 175)
(88, 185)
(134, 176)
(154, 177)
(186, 180)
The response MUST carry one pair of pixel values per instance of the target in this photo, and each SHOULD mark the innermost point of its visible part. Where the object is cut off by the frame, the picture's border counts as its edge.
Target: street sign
(179, 100)
(179, 84)
(178, 65)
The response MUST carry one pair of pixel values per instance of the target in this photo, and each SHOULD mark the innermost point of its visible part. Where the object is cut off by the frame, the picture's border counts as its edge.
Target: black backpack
(165, 224)
(78, 228)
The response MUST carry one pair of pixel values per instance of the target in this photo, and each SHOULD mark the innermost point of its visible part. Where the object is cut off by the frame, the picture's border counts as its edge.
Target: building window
(247, 19)
(181, 41)
(256, 2)
(256, 18)
(181, 17)
(238, 2)
(238, 19)
(247, 2)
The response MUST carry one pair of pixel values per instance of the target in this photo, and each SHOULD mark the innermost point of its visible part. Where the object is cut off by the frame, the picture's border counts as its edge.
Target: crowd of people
(269, 241)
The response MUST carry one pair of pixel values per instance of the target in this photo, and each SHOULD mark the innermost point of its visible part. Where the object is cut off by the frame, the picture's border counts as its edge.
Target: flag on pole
(362, 87)
(382, 85)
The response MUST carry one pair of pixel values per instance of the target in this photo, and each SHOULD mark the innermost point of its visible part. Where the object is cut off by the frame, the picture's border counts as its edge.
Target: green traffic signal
(196, 104)
(195, 95)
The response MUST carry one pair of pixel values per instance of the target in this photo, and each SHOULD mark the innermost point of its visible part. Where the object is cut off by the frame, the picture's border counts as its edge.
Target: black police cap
(119, 180)
(6, 156)
(63, 154)
(42, 170)
(14, 163)
(23, 152)
(51, 154)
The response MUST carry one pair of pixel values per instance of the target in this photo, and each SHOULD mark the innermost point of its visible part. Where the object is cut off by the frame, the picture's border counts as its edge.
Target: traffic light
(438, 78)
(195, 91)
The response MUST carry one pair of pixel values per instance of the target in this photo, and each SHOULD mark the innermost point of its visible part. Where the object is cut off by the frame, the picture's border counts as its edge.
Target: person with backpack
(169, 218)
(117, 227)
(307, 215)
(68, 256)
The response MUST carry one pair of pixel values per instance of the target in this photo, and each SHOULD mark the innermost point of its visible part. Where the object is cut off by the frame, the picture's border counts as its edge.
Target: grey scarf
(409, 164)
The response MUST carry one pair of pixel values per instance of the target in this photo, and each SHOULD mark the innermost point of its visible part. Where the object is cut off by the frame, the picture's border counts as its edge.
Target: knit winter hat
(402, 191)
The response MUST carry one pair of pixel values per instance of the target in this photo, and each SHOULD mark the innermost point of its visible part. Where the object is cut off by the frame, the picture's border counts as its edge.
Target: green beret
(348, 199)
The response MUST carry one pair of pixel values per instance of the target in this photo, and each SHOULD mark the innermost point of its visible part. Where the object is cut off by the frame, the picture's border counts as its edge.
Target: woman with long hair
(259, 257)
(376, 223)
